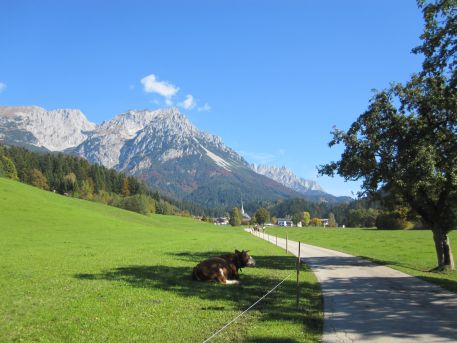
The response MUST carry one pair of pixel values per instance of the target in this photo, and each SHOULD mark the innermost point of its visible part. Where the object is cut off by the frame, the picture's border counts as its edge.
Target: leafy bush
(137, 203)
(7, 168)
(394, 220)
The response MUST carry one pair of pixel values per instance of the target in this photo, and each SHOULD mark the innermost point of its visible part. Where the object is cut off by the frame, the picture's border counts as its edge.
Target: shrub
(136, 203)
(394, 220)
(38, 179)
(7, 168)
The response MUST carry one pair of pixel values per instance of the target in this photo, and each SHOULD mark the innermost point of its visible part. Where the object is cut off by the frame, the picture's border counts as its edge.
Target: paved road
(365, 302)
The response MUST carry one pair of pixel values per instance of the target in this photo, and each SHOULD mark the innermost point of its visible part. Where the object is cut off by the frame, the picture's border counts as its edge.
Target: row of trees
(262, 216)
(399, 218)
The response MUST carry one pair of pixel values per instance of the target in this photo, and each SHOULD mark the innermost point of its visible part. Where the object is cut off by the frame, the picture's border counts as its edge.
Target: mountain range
(309, 189)
(161, 147)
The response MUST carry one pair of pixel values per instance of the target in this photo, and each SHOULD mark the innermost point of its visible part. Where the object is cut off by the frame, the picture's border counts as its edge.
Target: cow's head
(245, 259)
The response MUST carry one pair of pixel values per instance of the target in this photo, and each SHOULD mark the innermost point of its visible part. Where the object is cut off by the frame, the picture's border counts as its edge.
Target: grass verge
(76, 271)
(410, 251)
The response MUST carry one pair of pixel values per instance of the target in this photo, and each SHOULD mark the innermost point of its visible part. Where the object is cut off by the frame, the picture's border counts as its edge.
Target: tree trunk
(443, 250)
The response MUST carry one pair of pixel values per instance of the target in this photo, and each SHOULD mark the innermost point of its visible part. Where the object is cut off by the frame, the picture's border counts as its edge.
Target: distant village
(246, 219)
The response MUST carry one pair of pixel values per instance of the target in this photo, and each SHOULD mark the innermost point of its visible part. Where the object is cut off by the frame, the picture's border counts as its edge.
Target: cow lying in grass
(223, 269)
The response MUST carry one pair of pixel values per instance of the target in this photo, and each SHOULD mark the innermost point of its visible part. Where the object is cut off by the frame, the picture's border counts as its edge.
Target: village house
(285, 222)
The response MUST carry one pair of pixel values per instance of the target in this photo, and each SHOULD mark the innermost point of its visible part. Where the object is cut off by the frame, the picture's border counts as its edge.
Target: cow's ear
(236, 251)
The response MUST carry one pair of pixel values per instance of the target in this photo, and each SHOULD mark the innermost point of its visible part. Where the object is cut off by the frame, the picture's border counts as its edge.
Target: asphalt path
(366, 302)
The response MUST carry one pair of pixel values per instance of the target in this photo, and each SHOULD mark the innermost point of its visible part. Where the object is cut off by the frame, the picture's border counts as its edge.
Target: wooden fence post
(298, 275)
(287, 241)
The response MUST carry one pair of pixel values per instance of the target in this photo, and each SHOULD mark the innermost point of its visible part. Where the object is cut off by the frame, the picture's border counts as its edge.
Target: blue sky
(270, 77)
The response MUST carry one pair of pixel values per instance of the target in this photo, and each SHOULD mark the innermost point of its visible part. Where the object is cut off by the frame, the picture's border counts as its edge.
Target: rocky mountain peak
(286, 177)
(54, 130)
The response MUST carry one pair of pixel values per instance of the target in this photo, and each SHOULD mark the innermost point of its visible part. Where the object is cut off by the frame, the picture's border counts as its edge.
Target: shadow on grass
(279, 305)
(265, 262)
(271, 340)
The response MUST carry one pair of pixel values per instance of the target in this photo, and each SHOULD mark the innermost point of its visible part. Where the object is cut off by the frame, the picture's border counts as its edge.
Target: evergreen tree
(125, 191)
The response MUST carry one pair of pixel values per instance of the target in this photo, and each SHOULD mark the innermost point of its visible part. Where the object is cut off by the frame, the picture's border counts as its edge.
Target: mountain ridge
(160, 146)
(309, 189)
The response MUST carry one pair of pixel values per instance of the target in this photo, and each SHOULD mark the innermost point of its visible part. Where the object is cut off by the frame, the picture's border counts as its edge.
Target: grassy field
(76, 271)
(411, 251)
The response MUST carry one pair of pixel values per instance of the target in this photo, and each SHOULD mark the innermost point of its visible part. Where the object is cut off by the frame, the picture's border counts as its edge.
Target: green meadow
(77, 271)
(411, 251)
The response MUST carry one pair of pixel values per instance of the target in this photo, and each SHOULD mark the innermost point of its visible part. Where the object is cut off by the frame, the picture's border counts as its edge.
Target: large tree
(405, 145)
(297, 217)
(235, 217)
(306, 218)
(262, 215)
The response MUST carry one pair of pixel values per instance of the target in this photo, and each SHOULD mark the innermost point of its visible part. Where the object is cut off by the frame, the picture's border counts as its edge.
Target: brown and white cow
(223, 269)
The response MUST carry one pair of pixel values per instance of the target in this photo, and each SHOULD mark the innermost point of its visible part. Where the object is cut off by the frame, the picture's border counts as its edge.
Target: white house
(285, 222)
(221, 221)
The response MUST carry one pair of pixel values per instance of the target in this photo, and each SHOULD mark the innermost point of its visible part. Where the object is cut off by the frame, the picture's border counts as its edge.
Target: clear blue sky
(275, 75)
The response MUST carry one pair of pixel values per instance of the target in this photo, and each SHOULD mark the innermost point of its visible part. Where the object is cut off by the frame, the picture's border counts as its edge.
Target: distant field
(411, 251)
(76, 271)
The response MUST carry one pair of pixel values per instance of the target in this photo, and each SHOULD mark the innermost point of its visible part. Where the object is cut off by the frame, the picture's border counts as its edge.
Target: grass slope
(76, 271)
(411, 251)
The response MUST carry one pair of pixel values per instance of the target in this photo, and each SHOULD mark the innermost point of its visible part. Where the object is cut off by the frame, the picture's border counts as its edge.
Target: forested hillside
(76, 177)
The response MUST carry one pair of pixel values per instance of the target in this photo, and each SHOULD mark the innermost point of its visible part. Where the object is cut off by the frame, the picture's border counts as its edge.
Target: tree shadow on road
(400, 307)
(432, 276)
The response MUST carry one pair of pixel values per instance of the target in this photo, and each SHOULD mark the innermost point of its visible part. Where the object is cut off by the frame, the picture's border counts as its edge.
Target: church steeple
(242, 208)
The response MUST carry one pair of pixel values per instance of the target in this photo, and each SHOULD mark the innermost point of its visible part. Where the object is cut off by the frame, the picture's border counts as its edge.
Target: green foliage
(393, 220)
(439, 43)
(321, 210)
(306, 218)
(297, 217)
(316, 222)
(185, 213)
(38, 179)
(362, 217)
(164, 207)
(404, 146)
(207, 219)
(139, 203)
(125, 191)
(74, 176)
(87, 189)
(235, 217)
(262, 216)
(331, 220)
(7, 168)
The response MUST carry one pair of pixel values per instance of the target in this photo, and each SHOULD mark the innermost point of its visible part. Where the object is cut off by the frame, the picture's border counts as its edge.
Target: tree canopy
(404, 147)
(262, 216)
(235, 217)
